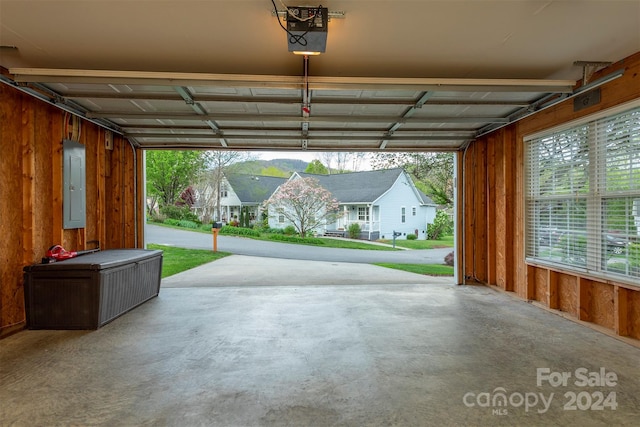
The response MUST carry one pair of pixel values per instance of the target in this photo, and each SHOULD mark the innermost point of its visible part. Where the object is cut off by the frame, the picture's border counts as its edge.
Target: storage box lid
(98, 260)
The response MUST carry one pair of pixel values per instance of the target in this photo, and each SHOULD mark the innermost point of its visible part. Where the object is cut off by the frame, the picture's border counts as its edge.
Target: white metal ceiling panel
(272, 112)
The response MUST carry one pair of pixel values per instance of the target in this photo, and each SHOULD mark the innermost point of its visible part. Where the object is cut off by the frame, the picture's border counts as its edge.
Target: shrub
(354, 231)
(274, 230)
(172, 221)
(187, 224)
(206, 227)
(296, 239)
(449, 259)
(442, 226)
(188, 215)
(177, 212)
(289, 230)
(239, 231)
(411, 237)
(171, 211)
(155, 216)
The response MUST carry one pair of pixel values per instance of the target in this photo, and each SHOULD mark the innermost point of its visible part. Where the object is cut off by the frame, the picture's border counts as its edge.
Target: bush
(172, 221)
(156, 217)
(187, 224)
(296, 239)
(354, 231)
(274, 230)
(290, 230)
(171, 211)
(411, 237)
(179, 213)
(449, 259)
(442, 226)
(239, 231)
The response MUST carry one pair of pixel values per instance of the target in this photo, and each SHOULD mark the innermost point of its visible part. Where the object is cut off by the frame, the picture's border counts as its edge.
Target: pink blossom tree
(304, 203)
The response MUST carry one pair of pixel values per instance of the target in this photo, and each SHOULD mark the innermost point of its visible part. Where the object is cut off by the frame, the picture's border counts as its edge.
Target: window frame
(363, 216)
(594, 136)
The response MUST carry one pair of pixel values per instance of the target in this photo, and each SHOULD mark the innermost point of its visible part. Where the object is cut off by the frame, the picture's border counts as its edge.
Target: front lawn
(426, 269)
(445, 242)
(176, 260)
(328, 242)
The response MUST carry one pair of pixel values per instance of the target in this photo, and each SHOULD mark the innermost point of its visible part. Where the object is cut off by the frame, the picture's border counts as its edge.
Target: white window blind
(583, 196)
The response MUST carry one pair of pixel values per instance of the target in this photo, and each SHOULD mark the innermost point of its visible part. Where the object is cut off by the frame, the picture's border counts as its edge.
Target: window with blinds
(583, 195)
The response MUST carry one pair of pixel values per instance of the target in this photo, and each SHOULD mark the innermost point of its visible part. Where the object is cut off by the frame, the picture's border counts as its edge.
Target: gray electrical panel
(74, 192)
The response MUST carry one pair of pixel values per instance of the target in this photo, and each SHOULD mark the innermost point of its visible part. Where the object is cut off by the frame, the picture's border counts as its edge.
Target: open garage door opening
(406, 199)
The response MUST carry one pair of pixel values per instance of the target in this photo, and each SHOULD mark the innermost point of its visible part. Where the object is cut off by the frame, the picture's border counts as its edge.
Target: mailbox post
(215, 229)
(395, 234)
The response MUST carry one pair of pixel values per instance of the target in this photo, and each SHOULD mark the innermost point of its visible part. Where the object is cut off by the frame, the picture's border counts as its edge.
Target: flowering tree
(304, 203)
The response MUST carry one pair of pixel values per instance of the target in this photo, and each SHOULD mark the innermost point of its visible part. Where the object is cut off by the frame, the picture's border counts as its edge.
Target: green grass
(324, 242)
(327, 242)
(426, 269)
(445, 242)
(176, 260)
(349, 244)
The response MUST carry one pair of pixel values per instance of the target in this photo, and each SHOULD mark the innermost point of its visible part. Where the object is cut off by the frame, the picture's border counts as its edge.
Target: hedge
(239, 231)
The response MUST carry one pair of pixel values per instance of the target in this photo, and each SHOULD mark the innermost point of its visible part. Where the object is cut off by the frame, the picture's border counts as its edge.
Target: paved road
(260, 248)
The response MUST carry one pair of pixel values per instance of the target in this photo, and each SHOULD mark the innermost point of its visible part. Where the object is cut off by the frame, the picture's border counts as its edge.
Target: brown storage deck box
(91, 290)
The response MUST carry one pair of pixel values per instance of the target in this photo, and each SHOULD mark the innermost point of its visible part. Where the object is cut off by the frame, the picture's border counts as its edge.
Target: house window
(363, 213)
(280, 216)
(413, 211)
(583, 195)
(224, 190)
(404, 214)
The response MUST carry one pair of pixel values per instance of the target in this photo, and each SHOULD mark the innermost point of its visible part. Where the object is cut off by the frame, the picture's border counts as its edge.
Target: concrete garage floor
(413, 351)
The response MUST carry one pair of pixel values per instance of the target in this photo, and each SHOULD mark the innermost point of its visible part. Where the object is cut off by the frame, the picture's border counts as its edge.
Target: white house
(381, 202)
(246, 191)
(238, 192)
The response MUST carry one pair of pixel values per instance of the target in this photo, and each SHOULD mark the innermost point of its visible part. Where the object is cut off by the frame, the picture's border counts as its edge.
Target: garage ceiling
(396, 75)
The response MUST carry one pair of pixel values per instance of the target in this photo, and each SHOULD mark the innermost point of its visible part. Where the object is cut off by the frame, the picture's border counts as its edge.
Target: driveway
(259, 248)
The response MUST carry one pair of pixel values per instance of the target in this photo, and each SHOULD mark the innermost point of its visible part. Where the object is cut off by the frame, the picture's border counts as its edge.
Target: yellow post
(215, 239)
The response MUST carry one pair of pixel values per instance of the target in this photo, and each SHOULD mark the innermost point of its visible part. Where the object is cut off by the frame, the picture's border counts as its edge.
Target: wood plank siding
(491, 228)
(31, 134)
(493, 220)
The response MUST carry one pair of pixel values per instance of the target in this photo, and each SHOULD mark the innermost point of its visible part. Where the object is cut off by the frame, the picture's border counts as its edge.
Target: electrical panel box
(74, 199)
(307, 27)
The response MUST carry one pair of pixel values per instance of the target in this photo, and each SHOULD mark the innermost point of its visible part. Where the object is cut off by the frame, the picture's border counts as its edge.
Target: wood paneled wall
(492, 196)
(31, 134)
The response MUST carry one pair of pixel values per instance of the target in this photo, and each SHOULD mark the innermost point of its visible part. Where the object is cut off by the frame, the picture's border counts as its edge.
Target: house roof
(426, 200)
(359, 187)
(254, 189)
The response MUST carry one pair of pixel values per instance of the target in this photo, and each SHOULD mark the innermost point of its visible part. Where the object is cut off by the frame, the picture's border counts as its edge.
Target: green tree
(274, 171)
(169, 173)
(432, 172)
(316, 167)
(442, 226)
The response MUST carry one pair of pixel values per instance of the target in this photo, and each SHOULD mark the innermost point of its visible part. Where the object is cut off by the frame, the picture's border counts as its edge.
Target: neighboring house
(381, 202)
(239, 190)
